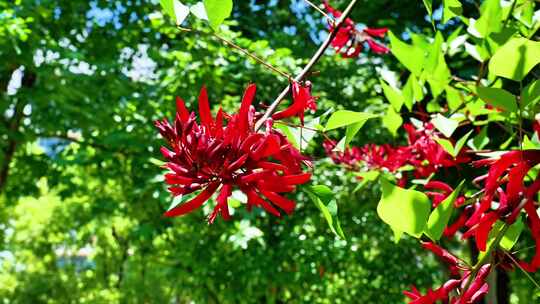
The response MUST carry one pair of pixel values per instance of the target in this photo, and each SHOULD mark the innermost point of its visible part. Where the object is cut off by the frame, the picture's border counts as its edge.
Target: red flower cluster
(423, 153)
(349, 41)
(427, 155)
(471, 290)
(302, 100)
(505, 181)
(208, 156)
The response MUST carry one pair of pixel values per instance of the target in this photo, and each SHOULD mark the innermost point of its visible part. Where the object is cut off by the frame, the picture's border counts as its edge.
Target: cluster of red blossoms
(225, 152)
(349, 41)
(506, 193)
(468, 286)
(505, 196)
(423, 153)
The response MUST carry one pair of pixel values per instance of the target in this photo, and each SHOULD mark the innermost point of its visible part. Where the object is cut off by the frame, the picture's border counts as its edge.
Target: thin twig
(320, 11)
(240, 49)
(308, 66)
(524, 271)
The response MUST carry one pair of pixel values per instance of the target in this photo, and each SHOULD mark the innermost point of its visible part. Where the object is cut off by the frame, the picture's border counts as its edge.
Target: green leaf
(515, 59)
(454, 98)
(460, 143)
(393, 95)
(511, 236)
(343, 118)
(175, 9)
(403, 210)
(490, 19)
(452, 8)
(508, 240)
(392, 121)
(411, 56)
(438, 219)
(446, 144)
(499, 98)
(447, 126)
(530, 95)
(412, 92)
(218, 11)
(323, 198)
(479, 141)
(429, 7)
(436, 70)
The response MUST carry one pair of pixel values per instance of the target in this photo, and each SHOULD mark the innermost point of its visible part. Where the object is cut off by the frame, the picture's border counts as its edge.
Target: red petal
(181, 109)
(194, 203)
(243, 113)
(297, 179)
(238, 163)
(483, 229)
(254, 199)
(377, 48)
(377, 32)
(283, 203)
(204, 109)
(174, 179)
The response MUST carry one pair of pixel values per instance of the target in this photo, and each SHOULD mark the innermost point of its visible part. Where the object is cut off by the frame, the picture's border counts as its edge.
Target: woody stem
(240, 49)
(272, 108)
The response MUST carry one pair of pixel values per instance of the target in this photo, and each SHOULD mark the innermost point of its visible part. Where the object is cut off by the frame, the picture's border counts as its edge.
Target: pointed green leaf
(403, 209)
(438, 219)
(343, 118)
(530, 95)
(499, 98)
(479, 141)
(392, 121)
(460, 143)
(323, 198)
(446, 144)
(412, 57)
(452, 8)
(515, 58)
(218, 11)
(393, 95)
(447, 126)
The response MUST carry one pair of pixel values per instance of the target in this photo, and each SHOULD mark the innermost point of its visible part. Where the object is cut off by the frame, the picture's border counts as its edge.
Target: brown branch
(272, 108)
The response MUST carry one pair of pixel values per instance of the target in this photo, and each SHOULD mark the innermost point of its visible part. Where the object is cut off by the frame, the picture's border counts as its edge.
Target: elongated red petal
(204, 109)
(445, 188)
(174, 179)
(297, 179)
(377, 48)
(254, 199)
(238, 163)
(283, 203)
(482, 232)
(221, 206)
(441, 253)
(243, 113)
(377, 32)
(194, 203)
(181, 109)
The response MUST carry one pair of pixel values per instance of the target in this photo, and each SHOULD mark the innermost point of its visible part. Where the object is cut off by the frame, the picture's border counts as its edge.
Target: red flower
(302, 100)
(350, 157)
(438, 197)
(475, 291)
(428, 155)
(505, 181)
(349, 41)
(210, 157)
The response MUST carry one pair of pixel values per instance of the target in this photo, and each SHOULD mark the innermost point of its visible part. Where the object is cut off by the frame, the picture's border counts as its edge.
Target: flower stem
(240, 49)
(320, 11)
(272, 108)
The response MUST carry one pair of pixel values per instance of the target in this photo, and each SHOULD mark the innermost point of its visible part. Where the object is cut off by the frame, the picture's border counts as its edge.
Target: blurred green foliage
(80, 184)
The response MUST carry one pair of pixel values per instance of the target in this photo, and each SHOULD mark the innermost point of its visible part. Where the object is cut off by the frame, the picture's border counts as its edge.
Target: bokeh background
(81, 192)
